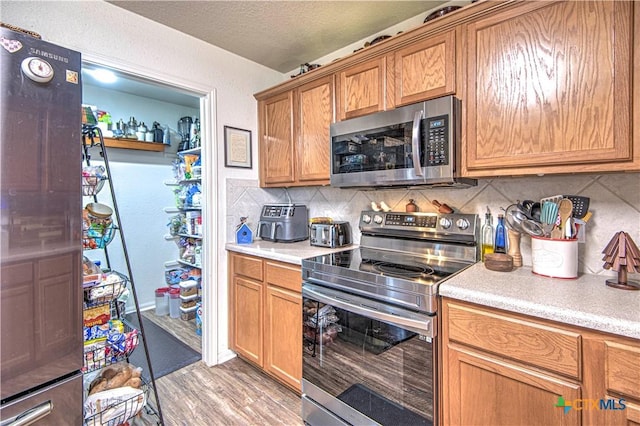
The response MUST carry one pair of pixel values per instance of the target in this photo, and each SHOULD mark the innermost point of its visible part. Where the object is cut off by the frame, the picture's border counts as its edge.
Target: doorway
(141, 178)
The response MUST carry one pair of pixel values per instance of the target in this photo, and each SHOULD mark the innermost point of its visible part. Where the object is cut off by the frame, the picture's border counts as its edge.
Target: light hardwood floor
(233, 393)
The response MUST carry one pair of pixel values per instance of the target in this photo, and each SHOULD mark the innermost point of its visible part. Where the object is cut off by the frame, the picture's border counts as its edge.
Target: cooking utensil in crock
(533, 228)
(580, 205)
(548, 216)
(514, 217)
(564, 211)
(530, 208)
(518, 221)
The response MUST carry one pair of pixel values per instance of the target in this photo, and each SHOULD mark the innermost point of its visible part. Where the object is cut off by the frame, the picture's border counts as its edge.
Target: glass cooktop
(387, 263)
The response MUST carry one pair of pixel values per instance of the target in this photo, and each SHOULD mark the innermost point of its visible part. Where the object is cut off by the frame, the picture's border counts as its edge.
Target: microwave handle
(415, 143)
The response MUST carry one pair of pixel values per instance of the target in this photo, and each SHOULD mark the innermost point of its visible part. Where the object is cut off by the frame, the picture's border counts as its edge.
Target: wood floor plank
(233, 393)
(230, 394)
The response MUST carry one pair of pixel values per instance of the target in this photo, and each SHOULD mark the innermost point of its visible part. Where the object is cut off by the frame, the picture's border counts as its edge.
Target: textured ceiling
(279, 34)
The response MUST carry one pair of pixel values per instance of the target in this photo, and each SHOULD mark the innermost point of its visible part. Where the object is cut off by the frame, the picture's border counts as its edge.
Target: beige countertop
(586, 301)
(284, 252)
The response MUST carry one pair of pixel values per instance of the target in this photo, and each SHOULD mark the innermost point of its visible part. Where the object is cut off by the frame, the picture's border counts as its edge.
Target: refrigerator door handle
(30, 416)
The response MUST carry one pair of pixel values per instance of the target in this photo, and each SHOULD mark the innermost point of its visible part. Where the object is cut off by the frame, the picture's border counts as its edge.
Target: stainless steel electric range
(370, 319)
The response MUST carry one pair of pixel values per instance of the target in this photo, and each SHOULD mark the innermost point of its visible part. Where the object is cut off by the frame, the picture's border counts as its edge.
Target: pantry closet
(151, 176)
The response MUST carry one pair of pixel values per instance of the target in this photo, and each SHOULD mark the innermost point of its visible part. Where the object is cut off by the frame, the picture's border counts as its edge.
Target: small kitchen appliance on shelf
(285, 223)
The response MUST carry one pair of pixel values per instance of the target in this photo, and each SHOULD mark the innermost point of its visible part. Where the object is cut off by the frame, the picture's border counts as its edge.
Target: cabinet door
(41, 302)
(482, 390)
(549, 89)
(59, 305)
(425, 69)
(276, 140)
(360, 89)
(19, 318)
(247, 319)
(622, 412)
(283, 335)
(313, 118)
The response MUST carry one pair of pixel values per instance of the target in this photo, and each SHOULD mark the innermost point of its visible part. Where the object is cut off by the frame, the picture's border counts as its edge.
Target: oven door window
(379, 369)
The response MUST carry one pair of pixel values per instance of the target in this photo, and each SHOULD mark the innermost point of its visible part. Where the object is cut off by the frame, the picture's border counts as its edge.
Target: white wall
(116, 36)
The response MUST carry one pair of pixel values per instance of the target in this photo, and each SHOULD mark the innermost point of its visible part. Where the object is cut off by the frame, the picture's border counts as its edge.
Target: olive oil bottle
(487, 234)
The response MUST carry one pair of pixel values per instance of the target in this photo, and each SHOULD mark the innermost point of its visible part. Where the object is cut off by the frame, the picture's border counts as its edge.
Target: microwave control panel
(435, 133)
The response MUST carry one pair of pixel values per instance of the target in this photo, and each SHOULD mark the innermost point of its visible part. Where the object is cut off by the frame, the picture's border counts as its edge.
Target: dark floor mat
(379, 408)
(167, 353)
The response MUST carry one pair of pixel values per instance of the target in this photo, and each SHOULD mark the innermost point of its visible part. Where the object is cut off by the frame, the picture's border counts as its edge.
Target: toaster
(336, 234)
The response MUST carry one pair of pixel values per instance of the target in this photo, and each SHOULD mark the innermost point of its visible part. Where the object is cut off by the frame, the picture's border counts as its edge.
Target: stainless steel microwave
(413, 145)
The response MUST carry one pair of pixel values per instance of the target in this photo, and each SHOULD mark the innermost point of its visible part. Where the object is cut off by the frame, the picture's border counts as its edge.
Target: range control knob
(366, 218)
(445, 223)
(377, 219)
(462, 223)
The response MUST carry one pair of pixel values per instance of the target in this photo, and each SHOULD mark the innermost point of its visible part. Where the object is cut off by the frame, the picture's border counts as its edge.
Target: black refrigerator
(40, 232)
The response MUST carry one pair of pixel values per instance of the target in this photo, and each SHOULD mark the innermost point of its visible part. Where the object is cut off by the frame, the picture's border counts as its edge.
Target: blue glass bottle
(500, 245)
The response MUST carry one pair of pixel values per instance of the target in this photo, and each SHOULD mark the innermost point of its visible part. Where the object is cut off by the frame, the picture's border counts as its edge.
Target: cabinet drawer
(623, 369)
(285, 276)
(539, 345)
(247, 266)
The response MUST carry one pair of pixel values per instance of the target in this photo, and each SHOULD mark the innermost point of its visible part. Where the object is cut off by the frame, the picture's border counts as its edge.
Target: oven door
(366, 362)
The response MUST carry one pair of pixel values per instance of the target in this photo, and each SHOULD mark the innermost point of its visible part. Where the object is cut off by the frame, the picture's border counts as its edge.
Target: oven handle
(424, 326)
(415, 143)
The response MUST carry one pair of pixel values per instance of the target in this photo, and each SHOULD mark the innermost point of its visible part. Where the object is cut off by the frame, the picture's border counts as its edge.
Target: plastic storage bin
(174, 303)
(189, 301)
(189, 287)
(162, 301)
(188, 313)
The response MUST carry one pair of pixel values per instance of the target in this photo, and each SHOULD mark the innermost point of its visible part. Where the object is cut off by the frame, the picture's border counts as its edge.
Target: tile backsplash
(615, 204)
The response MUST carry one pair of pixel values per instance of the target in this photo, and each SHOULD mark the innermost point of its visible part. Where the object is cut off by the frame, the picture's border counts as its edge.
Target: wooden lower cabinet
(503, 368)
(484, 390)
(248, 319)
(266, 316)
(283, 332)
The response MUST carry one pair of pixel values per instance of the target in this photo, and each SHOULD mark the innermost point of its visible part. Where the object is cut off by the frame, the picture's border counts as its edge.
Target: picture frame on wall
(237, 147)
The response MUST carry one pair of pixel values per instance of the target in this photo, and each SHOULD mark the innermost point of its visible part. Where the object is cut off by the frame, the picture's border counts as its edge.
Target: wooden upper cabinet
(549, 89)
(314, 115)
(360, 89)
(276, 139)
(424, 70)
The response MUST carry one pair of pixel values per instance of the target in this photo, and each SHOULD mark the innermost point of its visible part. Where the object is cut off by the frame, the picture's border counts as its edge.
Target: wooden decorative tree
(622, 255)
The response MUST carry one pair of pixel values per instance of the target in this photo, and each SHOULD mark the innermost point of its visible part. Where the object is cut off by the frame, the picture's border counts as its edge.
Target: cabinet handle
(30, 416)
